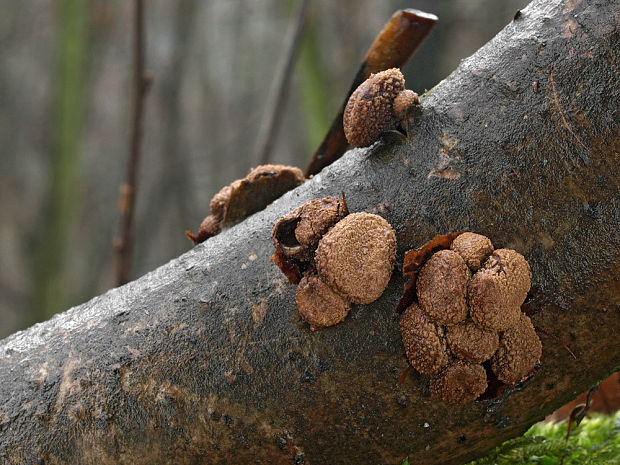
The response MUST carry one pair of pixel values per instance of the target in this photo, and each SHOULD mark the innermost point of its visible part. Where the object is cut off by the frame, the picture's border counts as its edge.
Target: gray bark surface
(205, 360)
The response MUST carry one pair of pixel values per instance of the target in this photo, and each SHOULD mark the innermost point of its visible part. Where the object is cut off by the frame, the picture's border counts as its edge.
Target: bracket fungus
(465, 327)
(336, 258)
(377, 105)
(246, 196)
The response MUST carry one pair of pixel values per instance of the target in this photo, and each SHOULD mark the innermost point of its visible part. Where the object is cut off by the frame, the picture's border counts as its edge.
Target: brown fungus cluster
(377, 105)
(336, 258)
(468, 313)
(246, 196)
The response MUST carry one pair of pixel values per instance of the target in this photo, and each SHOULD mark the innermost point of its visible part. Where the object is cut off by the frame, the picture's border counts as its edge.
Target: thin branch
(279, 90)
(127, 194)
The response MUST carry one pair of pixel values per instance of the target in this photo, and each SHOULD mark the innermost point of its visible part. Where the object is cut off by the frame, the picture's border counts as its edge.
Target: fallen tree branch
(205, 360)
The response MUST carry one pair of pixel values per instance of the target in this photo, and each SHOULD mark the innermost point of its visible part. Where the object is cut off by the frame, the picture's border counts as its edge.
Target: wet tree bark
(205, 360)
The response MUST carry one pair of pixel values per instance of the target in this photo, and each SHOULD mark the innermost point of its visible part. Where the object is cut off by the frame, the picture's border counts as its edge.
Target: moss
(596, 441)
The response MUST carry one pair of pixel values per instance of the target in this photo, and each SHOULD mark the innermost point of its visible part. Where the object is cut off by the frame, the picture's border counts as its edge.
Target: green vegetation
(596, 441)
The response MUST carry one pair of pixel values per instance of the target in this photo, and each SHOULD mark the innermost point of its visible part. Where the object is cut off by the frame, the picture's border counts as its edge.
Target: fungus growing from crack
(424, 341)
(297, 233)
(470, 343)
(459, 382)
(371, 108)
(474, 248)
(356, 257)
(318, 304)
(442, 288)
(519, 351)
(498, 289)
(246, 196)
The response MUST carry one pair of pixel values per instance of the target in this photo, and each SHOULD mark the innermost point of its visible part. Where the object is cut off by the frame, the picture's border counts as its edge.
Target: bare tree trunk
(205, 360)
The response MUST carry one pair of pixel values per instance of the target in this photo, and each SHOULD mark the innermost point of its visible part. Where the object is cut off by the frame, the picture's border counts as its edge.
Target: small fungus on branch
(460, 321)
(377, 105)
(246, 196)
(336, 258)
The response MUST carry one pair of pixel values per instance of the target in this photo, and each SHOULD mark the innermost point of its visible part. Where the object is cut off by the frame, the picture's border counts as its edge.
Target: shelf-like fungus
(468, 342)
(519, 352)
(424, 341)
(318, 304)
(356, 257)
(459, 382)
(377, 105)
(498, 289)
(442, 288)
(474, 248)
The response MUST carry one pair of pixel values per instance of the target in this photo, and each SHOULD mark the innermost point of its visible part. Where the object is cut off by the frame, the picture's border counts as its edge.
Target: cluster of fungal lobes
(336, 258)
(377, 105)
(469, 313)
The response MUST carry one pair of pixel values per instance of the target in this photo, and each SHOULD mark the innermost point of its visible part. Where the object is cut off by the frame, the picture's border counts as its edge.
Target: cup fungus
(314, 297)
(336, 258)
(377, 105)
(498, 289)
(424, 341)
(459, 382)
(356, 257)
(442, 288)
(461, 321)
(242, 197)
(474, 248)
(519, 352)
(468, 342)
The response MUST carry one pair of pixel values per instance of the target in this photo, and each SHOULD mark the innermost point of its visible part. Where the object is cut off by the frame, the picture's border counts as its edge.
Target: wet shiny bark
(205, 360)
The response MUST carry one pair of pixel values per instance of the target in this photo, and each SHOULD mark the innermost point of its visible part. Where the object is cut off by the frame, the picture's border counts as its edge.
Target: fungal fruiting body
(336, 258)
(242, 197)
(468, 313)
(377, 105)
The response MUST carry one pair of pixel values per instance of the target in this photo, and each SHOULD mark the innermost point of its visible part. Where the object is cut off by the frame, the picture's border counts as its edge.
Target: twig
(123, 242)
(279, 90)
(392, 48)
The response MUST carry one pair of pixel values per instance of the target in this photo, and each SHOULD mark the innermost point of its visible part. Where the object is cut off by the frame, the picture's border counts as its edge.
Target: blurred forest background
(65, 93)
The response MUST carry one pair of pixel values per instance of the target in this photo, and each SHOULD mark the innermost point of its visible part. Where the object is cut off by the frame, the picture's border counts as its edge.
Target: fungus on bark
(297, 233)
(442, 288)
(356, 257)
(246, 196)
(474, 248)
(468, 342)
(318, 304)
(424, 341)
(459, 382)
(371, 108)
(498, 289)
(519, 351)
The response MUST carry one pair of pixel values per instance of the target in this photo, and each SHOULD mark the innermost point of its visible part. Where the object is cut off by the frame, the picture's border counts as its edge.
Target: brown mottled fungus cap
(318, 305)
(403, 101)
(369, 110)
(356, 257)
(297, 233)
(219, 202)
(474, 248)
(209, 227)
(519, 351)
(424, 341)
(459, 382)
(497, 291)
(442, 288)
(468, 342)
